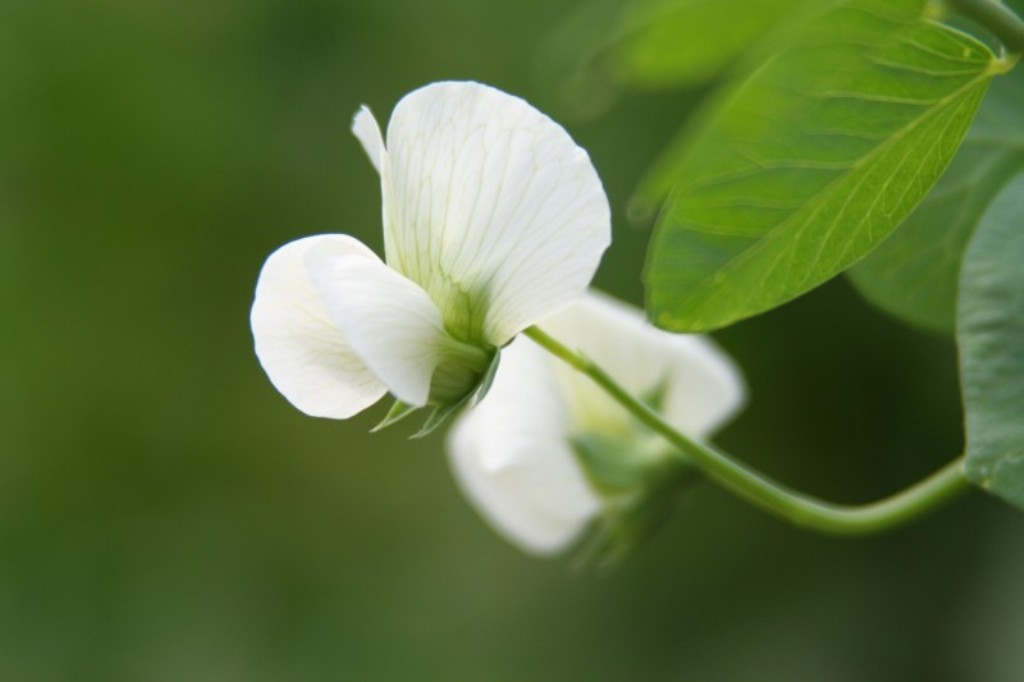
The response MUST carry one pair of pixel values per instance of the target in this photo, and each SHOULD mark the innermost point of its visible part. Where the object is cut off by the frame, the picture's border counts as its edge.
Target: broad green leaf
(660, 178)
(914, 274)
(807, 165)
(990, 333)
(682, 43)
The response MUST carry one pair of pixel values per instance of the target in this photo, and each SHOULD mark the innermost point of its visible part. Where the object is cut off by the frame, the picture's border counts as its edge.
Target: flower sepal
(638, 478)
(444, 404)
(396, 413)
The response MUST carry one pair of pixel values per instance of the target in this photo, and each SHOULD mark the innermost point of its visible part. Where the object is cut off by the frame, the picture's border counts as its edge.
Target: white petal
(706, 389)
(300, 348)
(512, 458)
(490, 206)
(703, 386)
(366, 130)
(388, 320)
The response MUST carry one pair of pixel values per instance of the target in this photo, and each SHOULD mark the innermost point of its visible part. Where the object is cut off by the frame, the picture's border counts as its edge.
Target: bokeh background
(165, 515)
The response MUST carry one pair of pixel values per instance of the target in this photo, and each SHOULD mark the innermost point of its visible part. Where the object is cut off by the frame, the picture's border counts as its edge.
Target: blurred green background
(165, 515)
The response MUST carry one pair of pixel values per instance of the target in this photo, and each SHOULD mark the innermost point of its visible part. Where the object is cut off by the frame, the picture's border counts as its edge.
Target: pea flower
(548, 454)
(493, 219)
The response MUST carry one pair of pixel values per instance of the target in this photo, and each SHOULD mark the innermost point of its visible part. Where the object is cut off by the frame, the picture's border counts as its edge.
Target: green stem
(996, 17)
(765, 493)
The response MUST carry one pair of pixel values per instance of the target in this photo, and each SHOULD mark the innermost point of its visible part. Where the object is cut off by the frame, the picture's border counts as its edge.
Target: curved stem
(760, 490)
(996, 17)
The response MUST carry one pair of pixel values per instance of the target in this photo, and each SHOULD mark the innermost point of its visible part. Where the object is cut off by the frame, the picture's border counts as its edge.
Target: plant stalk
(756, 488)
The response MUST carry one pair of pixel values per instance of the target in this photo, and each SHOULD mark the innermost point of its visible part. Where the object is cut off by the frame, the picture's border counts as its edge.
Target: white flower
(493, 218)
(514, 454)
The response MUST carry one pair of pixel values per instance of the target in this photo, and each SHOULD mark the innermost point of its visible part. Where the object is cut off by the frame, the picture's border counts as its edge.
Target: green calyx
(638, 478)
(461, 380)
(460, 371)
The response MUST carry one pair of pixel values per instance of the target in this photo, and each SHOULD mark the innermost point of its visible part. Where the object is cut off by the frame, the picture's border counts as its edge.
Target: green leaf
(806, 166)
(990, 334)
(682, 43)
(659, 179)
(915, 273)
